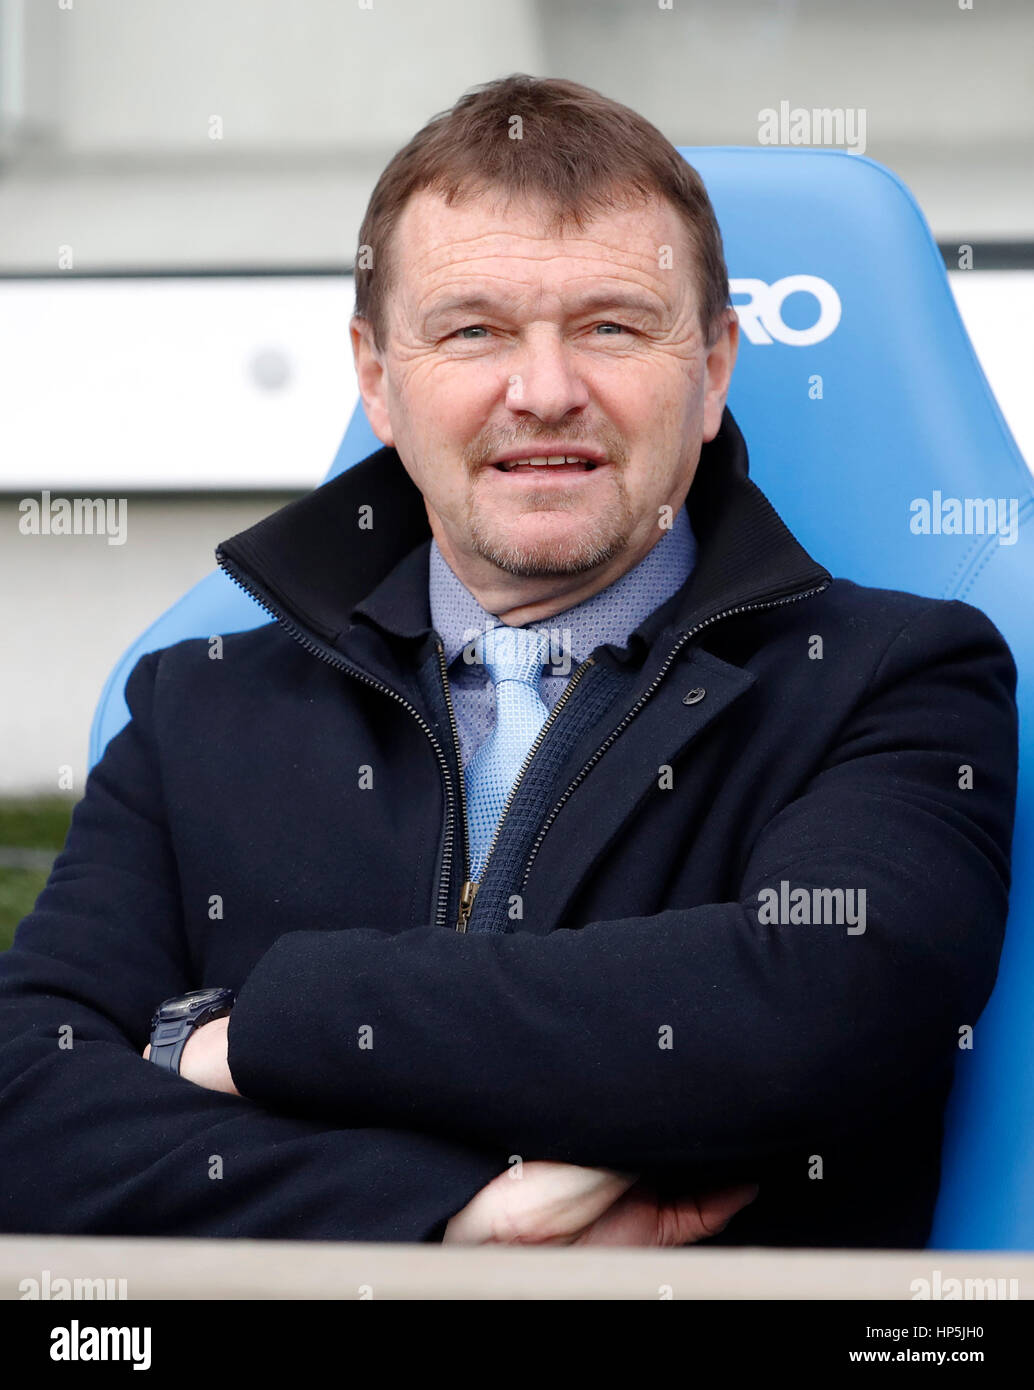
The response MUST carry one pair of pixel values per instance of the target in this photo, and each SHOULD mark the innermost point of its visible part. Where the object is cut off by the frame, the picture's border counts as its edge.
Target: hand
(203, 1059)
(548, 1203)
(641, 1217)
(565, 1204)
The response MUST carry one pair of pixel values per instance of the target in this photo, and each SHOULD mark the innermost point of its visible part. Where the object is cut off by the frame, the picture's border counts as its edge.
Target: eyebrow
(593, 303)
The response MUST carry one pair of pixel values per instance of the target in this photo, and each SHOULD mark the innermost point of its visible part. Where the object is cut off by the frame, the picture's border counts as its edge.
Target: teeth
(544, 461)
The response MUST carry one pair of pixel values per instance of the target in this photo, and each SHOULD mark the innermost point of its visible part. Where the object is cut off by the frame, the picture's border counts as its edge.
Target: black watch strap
(167, 1043)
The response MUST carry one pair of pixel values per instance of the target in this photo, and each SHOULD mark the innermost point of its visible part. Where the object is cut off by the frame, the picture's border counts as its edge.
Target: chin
(543, 555)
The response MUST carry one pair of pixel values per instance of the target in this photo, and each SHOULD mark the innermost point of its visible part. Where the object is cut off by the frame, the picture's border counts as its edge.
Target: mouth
(546, 465)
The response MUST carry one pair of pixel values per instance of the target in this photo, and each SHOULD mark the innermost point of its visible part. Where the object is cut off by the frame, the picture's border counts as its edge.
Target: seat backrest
(868, 419)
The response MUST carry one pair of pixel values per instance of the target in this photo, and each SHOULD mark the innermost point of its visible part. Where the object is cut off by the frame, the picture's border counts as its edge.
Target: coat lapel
(693, 695)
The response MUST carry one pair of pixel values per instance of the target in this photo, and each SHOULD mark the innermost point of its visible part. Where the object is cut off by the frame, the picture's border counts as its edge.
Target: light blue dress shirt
(611, 615)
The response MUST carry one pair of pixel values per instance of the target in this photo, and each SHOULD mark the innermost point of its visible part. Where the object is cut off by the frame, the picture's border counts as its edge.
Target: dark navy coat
(656, 974)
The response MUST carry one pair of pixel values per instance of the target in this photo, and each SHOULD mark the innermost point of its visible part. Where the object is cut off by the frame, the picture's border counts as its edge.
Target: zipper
(465, 905)
(334, 659)
(470, 886)
(716, 617)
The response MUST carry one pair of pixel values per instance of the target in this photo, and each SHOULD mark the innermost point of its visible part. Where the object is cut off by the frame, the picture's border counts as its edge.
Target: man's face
(505, 341)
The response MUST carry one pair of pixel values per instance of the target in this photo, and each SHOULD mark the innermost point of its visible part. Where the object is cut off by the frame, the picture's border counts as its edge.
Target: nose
(543, 380)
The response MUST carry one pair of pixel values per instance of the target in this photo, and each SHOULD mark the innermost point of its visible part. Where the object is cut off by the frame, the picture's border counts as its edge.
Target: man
(559, 894)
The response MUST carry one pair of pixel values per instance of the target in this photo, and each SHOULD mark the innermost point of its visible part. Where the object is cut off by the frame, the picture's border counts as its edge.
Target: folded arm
(96, 1140)
(554, 1046)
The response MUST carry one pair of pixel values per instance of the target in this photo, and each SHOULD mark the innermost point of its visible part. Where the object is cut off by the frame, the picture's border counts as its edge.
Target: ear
(721, 358)
(370, 374)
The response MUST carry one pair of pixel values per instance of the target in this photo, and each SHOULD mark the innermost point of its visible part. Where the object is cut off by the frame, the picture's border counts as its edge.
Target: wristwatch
(176, 1019)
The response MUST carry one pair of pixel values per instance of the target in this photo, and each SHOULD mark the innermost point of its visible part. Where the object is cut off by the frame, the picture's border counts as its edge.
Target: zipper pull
(470, 889)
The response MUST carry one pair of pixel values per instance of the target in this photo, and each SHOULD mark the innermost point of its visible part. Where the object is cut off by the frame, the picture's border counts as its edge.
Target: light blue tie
(514, 658)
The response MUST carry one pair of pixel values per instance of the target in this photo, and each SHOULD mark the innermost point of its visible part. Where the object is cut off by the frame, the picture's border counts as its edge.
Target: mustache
(485, 453)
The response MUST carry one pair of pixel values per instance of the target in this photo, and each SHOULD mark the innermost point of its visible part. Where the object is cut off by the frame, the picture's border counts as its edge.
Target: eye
(620, 326)
(471, 328)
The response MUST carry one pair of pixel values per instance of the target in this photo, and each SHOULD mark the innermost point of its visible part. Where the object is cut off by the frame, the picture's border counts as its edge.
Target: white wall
(71, 605)
(109, 150)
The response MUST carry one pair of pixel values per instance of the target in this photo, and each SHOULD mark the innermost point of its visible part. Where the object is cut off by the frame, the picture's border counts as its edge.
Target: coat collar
(354, 551)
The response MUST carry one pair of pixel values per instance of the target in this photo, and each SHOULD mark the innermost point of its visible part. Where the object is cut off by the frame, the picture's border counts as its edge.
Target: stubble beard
(604, 535)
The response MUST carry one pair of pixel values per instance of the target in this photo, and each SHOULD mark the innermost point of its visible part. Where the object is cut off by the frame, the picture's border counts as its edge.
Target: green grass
(38, 822)
(19, 889)
(32, 823)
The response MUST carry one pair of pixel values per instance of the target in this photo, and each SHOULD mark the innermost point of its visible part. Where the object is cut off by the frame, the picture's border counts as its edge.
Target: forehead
(435, 243)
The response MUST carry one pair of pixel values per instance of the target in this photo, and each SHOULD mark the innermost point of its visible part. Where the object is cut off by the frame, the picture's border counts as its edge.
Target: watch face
(186, 1004)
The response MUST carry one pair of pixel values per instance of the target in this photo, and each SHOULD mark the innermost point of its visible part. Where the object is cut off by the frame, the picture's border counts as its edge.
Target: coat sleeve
(700, 1035)
(94, 1139)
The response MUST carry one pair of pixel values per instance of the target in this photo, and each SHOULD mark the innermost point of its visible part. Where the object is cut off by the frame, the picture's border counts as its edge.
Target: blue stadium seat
(860, 396)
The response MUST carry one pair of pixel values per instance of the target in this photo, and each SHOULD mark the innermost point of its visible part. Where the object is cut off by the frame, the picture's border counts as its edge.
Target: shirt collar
(361, 591)
(610, 615)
